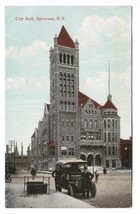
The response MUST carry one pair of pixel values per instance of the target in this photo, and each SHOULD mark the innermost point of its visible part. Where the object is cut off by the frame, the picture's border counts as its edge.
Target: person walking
(57, 173)
(96, 176)
(86, 181)
(33, 172)
(104, 171)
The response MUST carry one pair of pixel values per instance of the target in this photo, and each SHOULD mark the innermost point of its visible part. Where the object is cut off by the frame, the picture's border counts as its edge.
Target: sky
(104, 34)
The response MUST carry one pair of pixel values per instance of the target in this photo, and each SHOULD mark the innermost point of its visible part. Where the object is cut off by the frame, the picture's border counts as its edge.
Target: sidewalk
(17, 198)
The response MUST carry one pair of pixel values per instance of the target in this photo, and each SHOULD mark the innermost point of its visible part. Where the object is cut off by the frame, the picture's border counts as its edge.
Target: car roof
(69, 161)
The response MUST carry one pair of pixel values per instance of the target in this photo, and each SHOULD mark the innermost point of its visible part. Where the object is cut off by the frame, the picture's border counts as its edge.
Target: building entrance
(98, 160)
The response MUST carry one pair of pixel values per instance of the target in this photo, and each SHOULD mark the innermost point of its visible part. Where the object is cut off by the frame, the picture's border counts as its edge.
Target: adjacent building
(73, 124)
(15, 161)
(126, 152)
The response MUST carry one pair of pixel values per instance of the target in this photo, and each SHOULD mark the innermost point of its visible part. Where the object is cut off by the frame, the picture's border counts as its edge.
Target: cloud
(36, 48)
(125, 77)
(39, 83)
(15, 83)
(96, 85)
(95, 30)
(20, 84)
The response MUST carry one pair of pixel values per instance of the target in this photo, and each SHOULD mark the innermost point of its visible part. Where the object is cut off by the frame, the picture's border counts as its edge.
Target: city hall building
(73, 124)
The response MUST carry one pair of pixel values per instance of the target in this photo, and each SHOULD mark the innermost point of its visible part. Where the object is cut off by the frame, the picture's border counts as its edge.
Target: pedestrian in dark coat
(57, 173)
(86, 181)
(33, 172)
(104, 171)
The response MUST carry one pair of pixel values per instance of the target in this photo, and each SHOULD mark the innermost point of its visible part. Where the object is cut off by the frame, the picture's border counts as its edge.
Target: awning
(51, 144)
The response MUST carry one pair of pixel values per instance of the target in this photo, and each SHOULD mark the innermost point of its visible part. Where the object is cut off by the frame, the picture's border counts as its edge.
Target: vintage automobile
(72, 176)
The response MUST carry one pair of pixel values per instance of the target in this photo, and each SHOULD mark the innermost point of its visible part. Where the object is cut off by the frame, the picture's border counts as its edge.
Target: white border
(136, 108)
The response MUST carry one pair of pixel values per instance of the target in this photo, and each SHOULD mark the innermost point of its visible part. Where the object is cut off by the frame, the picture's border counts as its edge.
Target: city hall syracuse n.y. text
(73, 124)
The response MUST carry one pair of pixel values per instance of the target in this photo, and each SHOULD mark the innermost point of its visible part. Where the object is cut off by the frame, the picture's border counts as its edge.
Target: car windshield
(75, 167)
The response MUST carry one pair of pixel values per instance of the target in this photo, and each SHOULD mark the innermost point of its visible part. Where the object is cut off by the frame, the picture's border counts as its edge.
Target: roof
(67, 161)
(33, 135)
(82, 99)
(108, 104)
(48, 107)
(64, 39)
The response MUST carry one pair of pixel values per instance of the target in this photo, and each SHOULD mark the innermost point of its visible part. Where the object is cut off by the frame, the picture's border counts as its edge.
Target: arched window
(64, 58)
(65, 106)
(109, 150)
(105, 151)
(116, 137)
(73, 106)
(72, 59)
(112, 136)
(61, 105)
(105, 124)
(90, 124)
(68, 106)
(60, 58)
(108, 123)
(113, 150)
(95, 124)
(105, 137)
(109, 138)
(68, 59)
(116, 151)
(113, 123)
(86, 123)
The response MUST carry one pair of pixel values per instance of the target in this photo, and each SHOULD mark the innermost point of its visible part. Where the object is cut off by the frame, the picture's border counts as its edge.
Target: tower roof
(64, 39)
(33, 135)
(108, 104)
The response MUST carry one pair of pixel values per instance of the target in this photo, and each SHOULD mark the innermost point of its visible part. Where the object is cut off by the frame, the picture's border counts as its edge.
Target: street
(113, 191)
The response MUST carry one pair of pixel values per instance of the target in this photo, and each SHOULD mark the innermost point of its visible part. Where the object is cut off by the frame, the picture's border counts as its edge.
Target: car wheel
(70, 190)
(93, 189)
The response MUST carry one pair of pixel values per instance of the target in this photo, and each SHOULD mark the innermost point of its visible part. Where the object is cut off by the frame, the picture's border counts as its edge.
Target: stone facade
(74, 125)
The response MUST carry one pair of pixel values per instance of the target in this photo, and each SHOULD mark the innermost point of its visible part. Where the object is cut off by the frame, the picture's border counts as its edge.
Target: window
(112, 136)
(68, 59)
(86, 123)
(63, 152)
(105, 124)
(109, 150)
(108, 123)
(72, 123)
(105, 151)
(113, 150)
(90, 124)
(113, 163)
(71, 151)
(64, 58)
(105, 137)
(116, 151)
(68, 106)
(95, 124)
(72, 59)
(67, 122)
(73, 106)
(107, 163)
(60, 58)
(109, 137)
(113, 123)
(71, 138)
